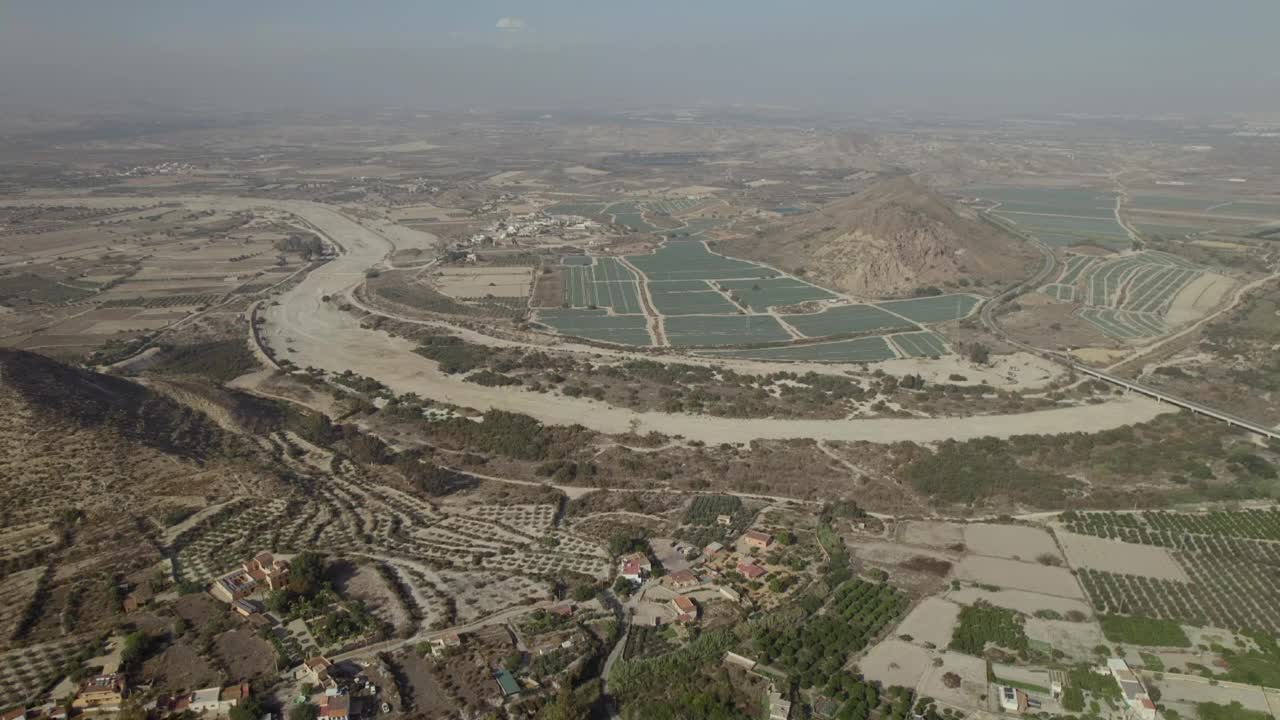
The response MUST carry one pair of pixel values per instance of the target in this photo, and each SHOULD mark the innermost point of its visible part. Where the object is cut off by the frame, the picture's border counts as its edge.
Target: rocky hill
(889, 240)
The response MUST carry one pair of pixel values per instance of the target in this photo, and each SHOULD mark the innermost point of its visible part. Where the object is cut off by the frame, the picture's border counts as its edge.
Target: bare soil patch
(1120, 557)
(1076, 639)
(895, 662)
(1018, 542)
(931, 533)
(931, 622)
(1019, 576)
(247, 655)
(180, 667)
(1020, 600)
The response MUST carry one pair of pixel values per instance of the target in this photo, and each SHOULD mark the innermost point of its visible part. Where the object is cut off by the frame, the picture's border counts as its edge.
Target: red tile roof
(751, 571)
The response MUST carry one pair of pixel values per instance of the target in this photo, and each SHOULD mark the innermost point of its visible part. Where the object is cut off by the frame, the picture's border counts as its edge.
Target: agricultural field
(940, 308)
(921, 344)
(598, 325)
(763, 293)
(1226, 574)
(1059, 217)
(691, 260)
(704, 299)
(869, 349)
(684, 302)
(479, 282)
(847, 319)
(25, 672)
(703, 330)
(606, 283)
(1130, 297)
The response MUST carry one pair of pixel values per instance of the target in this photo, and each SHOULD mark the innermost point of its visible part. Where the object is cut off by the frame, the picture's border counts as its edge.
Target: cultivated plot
(694, 330)
(941, 308)
(763, 293)
(598, 325)
(1061, 217)
(691, 260)
(920, 344)
(707, 302)
(847, 319)
(869, 349)
(606, 283)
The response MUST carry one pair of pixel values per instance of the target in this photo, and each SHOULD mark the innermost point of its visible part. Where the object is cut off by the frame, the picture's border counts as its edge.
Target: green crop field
(846, 319)
(597, 325)
(690, 330)
(576, 260)
(673, 286)
(933, 309)
(708, 302)
(920, 344)
(1060, 292)
(868, 349)
(764, 293)
(607, 283)
(691, 260)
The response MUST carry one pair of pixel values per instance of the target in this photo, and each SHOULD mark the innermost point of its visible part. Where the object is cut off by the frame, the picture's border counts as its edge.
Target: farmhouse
(635, 567)
(314, 670)
(265, 568)
(757, 539)
(233, 586)
(102, 691)
(686, 609)
(1135, 695)
(138, 598)
(333, 706)
(1012, 699)
(750, 571)
(218, 700)
(711, 550)
(445, 642)
(681, 580)
(724, 519)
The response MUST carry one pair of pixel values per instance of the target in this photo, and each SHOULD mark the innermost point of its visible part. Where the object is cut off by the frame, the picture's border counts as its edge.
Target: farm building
(565, 610)
(507, 683)
(445, 642)
(245, 608)
(751, 571)
(681, 580)
(233, 586)
(635, 567)
(1135, 695)
(686, 609)
(1012, 699)
(102, 691)
(711, 550)
(757, 539)
(138, 598)
(314, 670)
(264, 568)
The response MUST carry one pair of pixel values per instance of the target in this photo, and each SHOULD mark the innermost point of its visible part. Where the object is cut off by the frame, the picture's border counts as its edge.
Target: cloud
(510, 24)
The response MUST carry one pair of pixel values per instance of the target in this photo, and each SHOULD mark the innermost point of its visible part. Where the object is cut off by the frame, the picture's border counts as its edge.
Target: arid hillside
(889, 240)
(72, 438)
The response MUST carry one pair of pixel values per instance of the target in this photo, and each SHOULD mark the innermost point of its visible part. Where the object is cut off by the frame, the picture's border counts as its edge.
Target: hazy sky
(973, 56)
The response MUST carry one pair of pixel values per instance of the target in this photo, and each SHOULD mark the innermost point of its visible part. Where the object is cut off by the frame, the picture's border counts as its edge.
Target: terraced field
(1125, 297)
